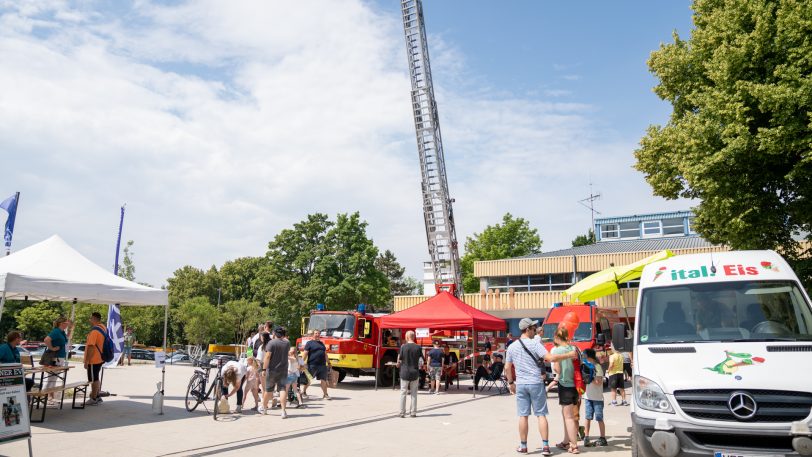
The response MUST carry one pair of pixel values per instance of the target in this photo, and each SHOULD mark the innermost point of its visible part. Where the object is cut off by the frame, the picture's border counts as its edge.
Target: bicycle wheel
(218, 394)
(194, 392)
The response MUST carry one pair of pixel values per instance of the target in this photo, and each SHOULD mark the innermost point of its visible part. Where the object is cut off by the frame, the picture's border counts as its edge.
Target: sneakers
(625, 403)
(402, 415)
(326, 397)
(239, 409)
(588, 443)
(602, 442)
(521, 449)
(93, 401)
(613, 403)
(260, 410)
(413, 415)
(546, 450)
(284, 414)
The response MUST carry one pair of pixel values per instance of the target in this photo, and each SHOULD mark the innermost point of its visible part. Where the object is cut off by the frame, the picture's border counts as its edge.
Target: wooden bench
(40, 398)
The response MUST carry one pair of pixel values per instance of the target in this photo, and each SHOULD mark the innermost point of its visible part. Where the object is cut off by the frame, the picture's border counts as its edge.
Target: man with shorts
(94, 345)
(315, 356)
(435, 367)
(276, 370)
(616, 381)
(525, 355)
(129, 340)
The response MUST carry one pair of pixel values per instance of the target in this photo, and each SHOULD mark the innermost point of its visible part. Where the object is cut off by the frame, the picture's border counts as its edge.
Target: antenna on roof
(589, 203)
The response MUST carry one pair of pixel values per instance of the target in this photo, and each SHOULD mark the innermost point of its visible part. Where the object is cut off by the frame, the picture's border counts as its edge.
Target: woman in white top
(233, 374)
(295, 365)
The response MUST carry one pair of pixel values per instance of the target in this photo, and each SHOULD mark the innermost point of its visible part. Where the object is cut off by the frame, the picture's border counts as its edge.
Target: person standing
(508, 340)
(436, 366)
(94, 345)
(527, 356)
(56, 342)
(627, 365)
(450, 361)
(615, 374)
(294, 369)
(252, 376)
(315, 355)
(567, 393)
(410, 359)
(129, 341)
(276, 370)
(594, 401)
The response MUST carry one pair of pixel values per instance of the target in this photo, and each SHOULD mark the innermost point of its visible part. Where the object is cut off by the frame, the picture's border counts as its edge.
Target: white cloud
(221, 123)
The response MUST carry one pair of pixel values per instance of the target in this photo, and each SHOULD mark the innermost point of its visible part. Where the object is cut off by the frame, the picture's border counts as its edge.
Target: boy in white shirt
(594, 402)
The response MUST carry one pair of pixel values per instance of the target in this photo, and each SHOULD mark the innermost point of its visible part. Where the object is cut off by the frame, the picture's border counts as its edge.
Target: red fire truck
(351, 338)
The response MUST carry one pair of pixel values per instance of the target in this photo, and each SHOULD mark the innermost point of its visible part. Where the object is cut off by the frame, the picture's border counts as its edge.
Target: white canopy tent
(52, 270)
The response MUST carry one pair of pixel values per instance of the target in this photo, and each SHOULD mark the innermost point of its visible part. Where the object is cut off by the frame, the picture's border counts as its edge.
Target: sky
(221, 123)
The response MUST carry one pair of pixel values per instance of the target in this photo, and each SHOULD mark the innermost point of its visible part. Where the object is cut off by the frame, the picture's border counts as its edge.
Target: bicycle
(196, 392)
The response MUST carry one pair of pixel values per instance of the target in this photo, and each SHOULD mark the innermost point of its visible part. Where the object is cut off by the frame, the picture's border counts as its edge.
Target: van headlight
(650, 396)
(333, 348)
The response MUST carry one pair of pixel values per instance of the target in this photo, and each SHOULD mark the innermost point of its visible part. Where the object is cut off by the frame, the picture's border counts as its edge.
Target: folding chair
(500, 383)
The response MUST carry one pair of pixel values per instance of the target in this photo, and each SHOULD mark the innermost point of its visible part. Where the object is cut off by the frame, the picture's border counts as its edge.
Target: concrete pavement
(359, 420)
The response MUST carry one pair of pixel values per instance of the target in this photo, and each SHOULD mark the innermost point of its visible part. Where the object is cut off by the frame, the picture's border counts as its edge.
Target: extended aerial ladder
(437, 211)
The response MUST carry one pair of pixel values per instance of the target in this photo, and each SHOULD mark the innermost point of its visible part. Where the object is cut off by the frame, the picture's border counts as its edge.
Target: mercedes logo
(742, 405)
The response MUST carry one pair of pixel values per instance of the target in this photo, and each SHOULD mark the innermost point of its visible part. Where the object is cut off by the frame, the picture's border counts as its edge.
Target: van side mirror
(619, 340)
(600, 339)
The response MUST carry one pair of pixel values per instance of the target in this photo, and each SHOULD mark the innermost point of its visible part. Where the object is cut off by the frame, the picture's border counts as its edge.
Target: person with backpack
(95, 345)
(594, 401)
(568, 396)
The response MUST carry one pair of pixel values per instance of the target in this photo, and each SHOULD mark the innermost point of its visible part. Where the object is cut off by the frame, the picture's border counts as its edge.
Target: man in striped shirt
(525, 355)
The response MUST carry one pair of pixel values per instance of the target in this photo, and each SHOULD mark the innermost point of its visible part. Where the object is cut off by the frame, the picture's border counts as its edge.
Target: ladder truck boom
(437, 211)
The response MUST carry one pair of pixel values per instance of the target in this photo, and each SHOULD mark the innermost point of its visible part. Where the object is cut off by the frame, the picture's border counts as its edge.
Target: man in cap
(527, 356)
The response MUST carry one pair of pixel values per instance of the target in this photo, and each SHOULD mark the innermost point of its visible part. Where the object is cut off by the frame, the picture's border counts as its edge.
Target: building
(529, 286)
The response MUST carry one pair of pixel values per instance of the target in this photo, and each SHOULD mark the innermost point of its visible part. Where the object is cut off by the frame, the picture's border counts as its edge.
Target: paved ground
(359, 421)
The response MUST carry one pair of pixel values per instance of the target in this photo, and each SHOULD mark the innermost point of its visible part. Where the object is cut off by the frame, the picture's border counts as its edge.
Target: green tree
(399, 283)
(127, 268)
(584, 240)
(189, 282)
(202, 321)
(512, 238)
(37, 319)
(236, 278)
(240, 316)
(738, 139)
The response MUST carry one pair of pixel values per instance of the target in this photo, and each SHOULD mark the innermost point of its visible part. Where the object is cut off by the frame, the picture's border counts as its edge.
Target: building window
(609, 231)
(652, 229)
(630, 230)
(674, 226)
(691, 226)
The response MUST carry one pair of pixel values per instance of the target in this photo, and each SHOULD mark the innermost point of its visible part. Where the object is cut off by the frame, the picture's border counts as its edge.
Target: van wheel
(635, 448)
(342, 373)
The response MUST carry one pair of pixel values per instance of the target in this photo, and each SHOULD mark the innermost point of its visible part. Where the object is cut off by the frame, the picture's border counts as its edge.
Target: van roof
(717, 267)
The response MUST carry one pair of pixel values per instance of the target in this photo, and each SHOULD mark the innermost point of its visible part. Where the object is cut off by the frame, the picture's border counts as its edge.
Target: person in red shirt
(93, 356)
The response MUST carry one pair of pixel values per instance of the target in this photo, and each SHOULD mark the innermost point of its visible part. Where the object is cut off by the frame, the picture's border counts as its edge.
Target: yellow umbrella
(607, 282)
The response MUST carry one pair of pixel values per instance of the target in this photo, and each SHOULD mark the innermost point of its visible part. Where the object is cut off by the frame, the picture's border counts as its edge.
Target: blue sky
(222, 123)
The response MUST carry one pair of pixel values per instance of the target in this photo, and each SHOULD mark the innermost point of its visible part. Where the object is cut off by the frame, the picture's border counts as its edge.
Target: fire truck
(351, 339)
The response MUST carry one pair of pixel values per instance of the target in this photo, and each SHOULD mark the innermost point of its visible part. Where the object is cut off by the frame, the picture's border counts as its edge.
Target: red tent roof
(443, 311)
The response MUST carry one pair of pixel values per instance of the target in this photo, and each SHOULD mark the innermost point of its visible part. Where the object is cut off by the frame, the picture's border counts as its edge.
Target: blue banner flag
(116, 333)
(10, 205)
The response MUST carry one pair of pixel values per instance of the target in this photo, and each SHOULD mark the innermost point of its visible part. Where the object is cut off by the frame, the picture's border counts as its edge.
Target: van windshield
(582, 333)
(725, 311)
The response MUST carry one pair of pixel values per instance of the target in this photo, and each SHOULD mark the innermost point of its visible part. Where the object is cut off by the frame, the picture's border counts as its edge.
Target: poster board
(421, 332)
(14, 422)
(160, 359)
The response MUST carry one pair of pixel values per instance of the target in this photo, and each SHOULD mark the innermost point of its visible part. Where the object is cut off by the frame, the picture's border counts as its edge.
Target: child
(252, 380)
(594, 402)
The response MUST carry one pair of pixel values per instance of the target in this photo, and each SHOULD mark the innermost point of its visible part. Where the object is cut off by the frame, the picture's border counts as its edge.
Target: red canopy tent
(443, 311)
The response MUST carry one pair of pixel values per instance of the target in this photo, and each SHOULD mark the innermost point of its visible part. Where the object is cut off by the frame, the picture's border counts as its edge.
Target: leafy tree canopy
(512, 238)
(584, 240)
(739, 138)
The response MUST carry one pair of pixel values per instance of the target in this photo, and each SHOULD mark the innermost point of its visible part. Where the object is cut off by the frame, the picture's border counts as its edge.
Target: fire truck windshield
(333, 325)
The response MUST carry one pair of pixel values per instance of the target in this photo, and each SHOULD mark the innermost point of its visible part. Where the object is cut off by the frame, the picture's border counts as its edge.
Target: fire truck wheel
(385, 373)
(342, 373)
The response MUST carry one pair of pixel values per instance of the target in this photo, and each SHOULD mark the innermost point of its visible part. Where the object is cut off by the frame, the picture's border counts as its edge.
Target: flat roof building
(529, 286)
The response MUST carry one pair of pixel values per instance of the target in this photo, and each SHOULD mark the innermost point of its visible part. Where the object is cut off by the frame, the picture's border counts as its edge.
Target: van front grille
(772, 405)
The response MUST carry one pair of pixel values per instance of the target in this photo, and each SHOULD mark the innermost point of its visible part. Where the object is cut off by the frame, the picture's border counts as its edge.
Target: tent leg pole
(2, 304)
(163, 369)
(378, 358)
(473, 343)
(70, 334)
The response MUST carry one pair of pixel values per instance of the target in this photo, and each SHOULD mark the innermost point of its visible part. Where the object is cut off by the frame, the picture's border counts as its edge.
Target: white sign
(421, 332)
(15, 423)
(160, 359)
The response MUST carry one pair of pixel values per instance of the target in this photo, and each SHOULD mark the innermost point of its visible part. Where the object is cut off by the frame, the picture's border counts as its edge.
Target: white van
(722, 358)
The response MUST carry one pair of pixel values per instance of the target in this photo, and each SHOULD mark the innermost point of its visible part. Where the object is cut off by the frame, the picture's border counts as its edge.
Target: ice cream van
(723, 358)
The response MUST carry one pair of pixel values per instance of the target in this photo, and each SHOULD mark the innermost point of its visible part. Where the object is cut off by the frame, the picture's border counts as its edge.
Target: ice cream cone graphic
(769, 266)
(659, 273)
